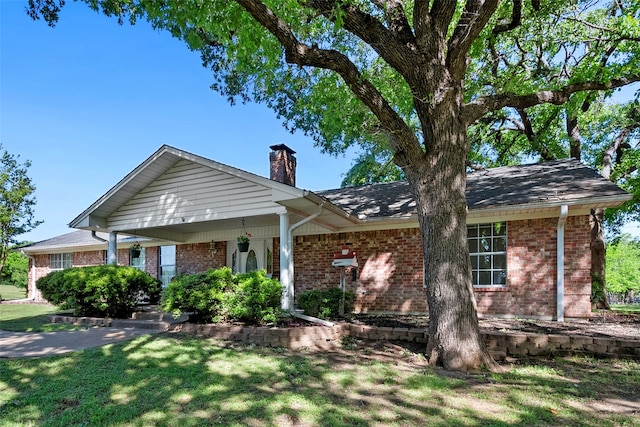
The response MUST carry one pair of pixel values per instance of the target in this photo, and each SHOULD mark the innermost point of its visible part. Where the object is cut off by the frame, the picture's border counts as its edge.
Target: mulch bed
(603, 324)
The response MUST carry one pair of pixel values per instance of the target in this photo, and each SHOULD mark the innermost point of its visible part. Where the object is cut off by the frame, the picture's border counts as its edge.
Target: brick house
(528, 231)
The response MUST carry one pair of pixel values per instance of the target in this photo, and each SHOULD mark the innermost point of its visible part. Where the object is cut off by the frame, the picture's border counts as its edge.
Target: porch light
(212, 248)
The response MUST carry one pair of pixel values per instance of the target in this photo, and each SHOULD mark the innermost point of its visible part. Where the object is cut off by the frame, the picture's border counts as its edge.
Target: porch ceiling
(331, 218)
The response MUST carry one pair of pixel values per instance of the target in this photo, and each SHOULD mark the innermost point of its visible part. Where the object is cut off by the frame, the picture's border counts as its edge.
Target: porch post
(285, 264)
(112, 249)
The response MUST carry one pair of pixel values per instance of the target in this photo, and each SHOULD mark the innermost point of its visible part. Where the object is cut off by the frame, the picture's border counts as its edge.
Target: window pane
(474, 277)
(473, 246)
(138, 262)
(485, 262)
(499, 244)
(484, 278)
(252, 261)
(500, 262)
(166, 274)
(472, 231)
(485, 230)
(168, 255)
(500, 277)
(500, 229)
(474, 262)
(485, 245)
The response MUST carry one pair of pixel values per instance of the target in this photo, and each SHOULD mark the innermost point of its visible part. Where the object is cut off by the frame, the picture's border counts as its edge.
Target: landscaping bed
(602, 325)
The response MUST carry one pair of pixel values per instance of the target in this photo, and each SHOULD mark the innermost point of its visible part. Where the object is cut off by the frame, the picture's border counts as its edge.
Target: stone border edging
(500, 344)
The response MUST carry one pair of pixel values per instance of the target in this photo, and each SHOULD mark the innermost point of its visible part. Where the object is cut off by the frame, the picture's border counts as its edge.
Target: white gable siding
(189, 192)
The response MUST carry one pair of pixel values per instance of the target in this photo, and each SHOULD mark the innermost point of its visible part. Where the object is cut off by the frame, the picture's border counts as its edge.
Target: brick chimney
(283, 164)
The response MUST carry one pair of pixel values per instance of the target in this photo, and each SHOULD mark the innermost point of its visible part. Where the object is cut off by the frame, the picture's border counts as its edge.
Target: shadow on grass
(179, 380)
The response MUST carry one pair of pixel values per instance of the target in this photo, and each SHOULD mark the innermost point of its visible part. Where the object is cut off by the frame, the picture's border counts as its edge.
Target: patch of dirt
(604, 325)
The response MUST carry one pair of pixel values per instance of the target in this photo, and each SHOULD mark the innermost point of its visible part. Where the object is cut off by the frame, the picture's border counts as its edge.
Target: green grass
(626, 308)
(30, 318)
(8, 292)
(173, 379)
(180, 380)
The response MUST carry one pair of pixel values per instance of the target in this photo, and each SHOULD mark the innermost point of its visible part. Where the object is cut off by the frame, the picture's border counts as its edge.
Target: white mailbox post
(343, 259)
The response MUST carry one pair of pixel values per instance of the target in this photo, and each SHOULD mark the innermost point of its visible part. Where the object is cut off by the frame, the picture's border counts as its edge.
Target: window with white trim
(488, 252)
(167, 264)
(60, 261)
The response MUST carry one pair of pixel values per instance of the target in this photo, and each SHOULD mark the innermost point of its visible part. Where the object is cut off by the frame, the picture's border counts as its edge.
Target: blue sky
(89, 100)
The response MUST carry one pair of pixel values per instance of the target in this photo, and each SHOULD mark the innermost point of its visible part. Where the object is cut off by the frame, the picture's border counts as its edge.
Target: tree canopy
(413, 75)
(16, 202)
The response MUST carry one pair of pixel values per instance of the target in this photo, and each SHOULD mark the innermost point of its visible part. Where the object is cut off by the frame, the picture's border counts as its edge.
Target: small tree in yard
(15, 270)
(405, 74)
(16, 202)
(623, 268)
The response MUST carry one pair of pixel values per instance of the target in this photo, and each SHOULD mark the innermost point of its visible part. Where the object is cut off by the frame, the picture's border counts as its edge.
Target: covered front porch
(178, 198)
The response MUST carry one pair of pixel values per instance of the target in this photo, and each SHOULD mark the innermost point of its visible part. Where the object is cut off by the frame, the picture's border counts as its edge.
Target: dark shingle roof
(560, 180)
(75, 238)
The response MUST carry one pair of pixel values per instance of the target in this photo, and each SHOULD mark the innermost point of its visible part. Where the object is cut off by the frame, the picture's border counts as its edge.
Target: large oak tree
(402, 73)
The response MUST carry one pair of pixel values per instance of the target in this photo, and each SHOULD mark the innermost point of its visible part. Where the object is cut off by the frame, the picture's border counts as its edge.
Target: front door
(258, 257)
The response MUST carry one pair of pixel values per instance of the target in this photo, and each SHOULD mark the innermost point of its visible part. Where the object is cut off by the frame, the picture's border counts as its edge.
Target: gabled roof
(539, 185)
(152, 168)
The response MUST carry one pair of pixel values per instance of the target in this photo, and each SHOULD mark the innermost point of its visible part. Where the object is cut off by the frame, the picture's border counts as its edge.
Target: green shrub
(325, 304)
(217, 295)
(103, 290)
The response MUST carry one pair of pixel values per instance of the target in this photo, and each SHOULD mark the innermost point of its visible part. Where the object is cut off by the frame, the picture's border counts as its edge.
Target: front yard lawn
(174, 379)
(30, 318)
(9, 292)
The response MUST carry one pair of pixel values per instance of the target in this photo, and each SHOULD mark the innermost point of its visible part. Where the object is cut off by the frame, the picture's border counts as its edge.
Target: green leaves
(104, 290)
(218, 295)
(623, 270)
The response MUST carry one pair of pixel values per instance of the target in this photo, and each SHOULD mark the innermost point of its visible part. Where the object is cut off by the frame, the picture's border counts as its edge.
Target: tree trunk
(438, 181)
(598, 260)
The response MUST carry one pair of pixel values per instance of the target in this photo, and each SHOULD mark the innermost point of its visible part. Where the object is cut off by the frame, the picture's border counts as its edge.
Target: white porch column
(286, 276)
(112, 249)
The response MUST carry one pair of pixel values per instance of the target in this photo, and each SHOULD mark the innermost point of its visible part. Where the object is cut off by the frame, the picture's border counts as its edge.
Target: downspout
(93, 234)
(288, 301)
(564, 211)
(33, 275)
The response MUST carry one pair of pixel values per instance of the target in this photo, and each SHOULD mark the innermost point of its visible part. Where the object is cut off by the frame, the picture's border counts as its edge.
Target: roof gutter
(320, 201)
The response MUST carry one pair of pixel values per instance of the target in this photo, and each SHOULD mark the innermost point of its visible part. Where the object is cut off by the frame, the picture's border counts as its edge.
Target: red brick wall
(531, 271)
(194, 258)
(83, 259)
(389, 272)
(390, 268)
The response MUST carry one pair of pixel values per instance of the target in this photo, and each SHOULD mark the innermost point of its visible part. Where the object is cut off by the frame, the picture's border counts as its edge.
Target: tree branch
(441, 14)
(303, 55)
(370, 30)
(474, 18)
(516, 19)
(481, 106)
(397, 19)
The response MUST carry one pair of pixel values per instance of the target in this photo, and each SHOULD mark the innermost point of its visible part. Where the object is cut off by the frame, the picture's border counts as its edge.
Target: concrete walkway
(38, 344)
